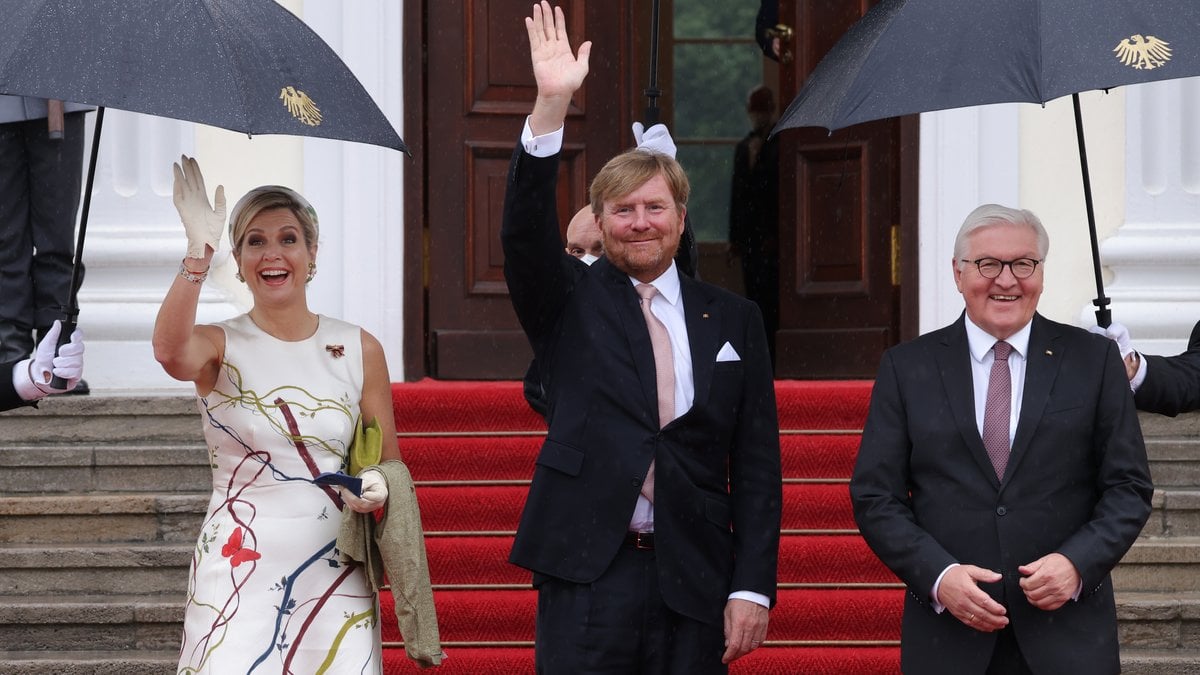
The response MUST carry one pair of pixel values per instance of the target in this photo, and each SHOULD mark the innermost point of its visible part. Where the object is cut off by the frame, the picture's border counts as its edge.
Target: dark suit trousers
(40, 183)
(619, 625)
(1007, 658)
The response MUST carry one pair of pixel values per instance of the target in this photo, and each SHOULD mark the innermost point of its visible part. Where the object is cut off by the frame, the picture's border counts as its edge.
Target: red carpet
(471, 447)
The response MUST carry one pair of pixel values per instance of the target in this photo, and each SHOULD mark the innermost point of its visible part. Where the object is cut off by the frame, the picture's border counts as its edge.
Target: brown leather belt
(643, 541)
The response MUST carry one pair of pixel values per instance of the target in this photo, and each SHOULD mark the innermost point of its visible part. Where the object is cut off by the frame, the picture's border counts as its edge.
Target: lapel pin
(704, 315)
(1049, 353)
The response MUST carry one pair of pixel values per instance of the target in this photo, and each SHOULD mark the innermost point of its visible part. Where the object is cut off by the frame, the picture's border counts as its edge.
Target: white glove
(202, 223)
(374, 492)
(655, 139)
(31, 377)
(1117, 333)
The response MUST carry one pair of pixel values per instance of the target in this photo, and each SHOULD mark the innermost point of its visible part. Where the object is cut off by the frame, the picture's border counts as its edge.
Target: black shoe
(81, 389)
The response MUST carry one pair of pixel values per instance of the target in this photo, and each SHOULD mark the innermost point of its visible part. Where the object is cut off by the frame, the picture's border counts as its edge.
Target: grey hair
(993, 214)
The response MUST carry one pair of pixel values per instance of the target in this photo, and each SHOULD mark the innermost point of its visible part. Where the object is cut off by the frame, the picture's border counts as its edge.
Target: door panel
(840, 268)
(478, 90)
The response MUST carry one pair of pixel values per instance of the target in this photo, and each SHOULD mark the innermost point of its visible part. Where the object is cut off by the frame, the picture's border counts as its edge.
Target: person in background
(41, 176)
(1167, 385)
(583, 236)
(1002, 472)
(281, 392)
(754, 209)
(652, 521)
(32, 377)
(767, 18)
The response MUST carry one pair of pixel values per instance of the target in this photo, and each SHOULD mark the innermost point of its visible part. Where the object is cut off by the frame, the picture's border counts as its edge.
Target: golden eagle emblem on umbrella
(300, 106)
(1143, 52)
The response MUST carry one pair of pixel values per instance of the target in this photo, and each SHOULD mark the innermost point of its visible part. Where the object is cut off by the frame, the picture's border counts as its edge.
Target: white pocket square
(727, 353)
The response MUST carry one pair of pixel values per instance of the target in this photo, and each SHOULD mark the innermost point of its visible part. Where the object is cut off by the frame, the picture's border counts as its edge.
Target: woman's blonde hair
(268, 197)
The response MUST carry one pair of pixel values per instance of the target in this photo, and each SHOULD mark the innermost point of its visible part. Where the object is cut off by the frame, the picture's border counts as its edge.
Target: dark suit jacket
(1172, 383)
(1077, 482)
(718, 487)
(9, 398)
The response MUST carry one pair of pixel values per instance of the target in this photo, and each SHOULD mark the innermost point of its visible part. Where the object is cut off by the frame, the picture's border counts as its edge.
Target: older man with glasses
(1002, 472)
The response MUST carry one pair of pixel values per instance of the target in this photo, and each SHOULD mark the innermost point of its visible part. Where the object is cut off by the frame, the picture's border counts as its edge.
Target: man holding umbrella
(41, 172)
(652, 521)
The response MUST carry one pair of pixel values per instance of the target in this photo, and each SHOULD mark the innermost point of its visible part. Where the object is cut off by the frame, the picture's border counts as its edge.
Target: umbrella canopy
(245, 65)
(911, 56)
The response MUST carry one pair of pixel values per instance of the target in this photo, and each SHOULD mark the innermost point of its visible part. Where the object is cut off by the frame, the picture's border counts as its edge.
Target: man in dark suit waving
(1002, 473)
(652, 522)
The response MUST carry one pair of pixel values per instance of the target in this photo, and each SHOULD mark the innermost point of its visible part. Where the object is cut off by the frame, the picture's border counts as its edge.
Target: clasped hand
(1048, 583)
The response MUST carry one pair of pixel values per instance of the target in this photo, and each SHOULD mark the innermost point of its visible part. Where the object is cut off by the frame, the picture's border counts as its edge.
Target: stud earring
(238, 275)
(312, 272)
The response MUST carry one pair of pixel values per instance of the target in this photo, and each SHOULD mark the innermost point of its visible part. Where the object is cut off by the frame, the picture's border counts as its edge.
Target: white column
(133, 247)
(969, 156)
(361, 187)
(1153, 256)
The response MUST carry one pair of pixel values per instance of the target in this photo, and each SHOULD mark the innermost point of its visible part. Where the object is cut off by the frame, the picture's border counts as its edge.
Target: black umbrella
(910, 56)
(245, 65)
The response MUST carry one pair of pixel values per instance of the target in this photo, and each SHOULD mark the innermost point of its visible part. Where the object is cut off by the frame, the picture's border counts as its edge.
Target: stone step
(1174, 462)
(101, 623)
(1160, 564)
(105, 418)
(105, 517)
(1154, 620)
(1133, 662)
(139, 662)
(87, 467)
(121, 569)
(1160, 661)
(1151, 622)
(1176, 513)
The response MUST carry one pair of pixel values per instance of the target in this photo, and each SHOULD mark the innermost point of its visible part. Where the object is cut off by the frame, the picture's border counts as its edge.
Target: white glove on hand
(32, 377)
(374, 492)
(1117, 333)
(202, 223)
(655, 139)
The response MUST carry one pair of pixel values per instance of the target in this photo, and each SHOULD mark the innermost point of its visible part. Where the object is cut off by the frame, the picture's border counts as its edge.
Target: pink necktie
(996, 411)
(664, 372)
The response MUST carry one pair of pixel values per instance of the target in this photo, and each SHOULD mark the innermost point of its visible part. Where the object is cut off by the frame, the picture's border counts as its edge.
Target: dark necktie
(664, 371)
(997, 409)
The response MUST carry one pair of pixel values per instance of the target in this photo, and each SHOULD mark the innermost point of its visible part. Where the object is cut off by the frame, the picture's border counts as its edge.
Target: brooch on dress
(338, 351)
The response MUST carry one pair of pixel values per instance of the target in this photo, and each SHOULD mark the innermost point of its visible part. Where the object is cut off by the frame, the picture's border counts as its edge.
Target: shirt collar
(980, 342)
(667, 284)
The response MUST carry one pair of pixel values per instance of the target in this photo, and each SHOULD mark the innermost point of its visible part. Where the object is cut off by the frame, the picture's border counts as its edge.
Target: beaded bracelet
(194, 277)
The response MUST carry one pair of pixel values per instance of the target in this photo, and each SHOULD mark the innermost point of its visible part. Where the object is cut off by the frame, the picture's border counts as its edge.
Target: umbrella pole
(652, 91)
(71, 311)
(1103, 314)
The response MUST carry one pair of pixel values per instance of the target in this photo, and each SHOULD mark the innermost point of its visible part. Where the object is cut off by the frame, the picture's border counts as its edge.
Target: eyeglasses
(990, 268)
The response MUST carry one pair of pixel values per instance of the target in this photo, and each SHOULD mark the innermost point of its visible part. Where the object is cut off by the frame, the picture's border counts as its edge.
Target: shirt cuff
(938, 608)
(546, 145)
(23, 382)
(756, 598)
(1140, 376)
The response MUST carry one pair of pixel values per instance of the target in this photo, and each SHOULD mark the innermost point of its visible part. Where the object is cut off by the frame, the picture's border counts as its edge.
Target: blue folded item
(354, 485)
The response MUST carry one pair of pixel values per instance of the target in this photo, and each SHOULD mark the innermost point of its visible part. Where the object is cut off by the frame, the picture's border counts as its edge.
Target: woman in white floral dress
(281, 391)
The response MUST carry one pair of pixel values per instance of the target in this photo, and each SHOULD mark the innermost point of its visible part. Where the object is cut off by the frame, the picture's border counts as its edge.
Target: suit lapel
(704, 329)
(634, 324)
(1041, 369)
(954, 364)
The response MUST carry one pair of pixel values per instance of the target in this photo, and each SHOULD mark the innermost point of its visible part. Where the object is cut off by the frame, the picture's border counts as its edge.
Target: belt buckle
(643, 541)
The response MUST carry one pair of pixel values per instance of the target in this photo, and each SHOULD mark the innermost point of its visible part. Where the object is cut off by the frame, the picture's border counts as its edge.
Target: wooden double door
(847, 200)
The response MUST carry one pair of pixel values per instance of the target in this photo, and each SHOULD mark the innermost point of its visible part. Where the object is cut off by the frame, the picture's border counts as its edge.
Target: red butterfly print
(234, 551)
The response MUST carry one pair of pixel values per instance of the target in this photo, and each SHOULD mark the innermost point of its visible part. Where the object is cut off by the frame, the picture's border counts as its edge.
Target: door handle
(784, 34)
